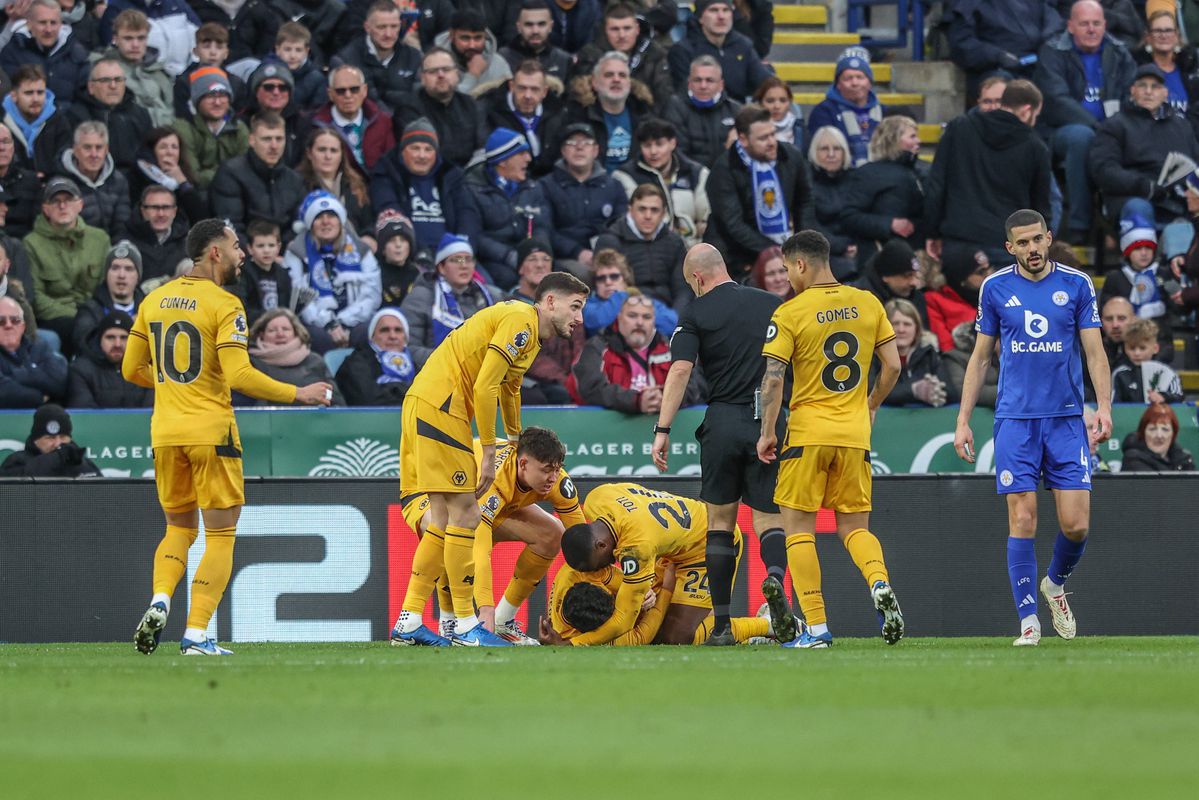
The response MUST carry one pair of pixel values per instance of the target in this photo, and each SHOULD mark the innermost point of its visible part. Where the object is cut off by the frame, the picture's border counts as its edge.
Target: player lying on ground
(581, 602)
(632, 528)
(527, 472)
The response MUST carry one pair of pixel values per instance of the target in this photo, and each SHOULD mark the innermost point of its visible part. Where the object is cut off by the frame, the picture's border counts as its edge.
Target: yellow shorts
(199, 476)
(691, 577)
(821, 476)
(435, 451)
(414, 507)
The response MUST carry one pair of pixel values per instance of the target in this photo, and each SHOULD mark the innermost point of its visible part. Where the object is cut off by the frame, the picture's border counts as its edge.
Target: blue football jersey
(1037, 323)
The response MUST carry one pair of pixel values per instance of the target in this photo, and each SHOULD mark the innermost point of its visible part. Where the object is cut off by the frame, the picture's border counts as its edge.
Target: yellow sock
(445, 600)
(805, 575)
(867, 553)
(170, 559)
(460, 568)
(529, 570)
(212, 576)
(704, 630)
(484, 595)
(745, 628)
(427, 565)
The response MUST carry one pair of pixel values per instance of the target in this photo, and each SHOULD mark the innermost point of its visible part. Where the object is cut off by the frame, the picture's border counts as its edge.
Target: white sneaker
(1063, 619)
(1029, 637)
(512, 632)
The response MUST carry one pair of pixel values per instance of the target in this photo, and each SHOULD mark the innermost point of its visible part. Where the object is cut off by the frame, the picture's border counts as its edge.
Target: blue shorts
(1055, 448)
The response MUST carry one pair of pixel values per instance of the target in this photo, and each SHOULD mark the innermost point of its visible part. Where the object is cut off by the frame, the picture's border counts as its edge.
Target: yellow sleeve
(628, 608)
(562, 582)
(780, 339)
(487, 388)
(647, 624)
(136, 366)
(235, 364)
(510, 407)
(565, 499)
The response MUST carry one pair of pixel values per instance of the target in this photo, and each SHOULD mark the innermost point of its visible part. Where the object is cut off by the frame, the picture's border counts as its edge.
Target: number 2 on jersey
(681, 515)
(834, 376)
(164, 351)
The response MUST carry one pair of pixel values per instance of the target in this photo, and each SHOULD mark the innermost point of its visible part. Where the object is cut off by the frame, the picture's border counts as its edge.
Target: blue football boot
(422, 637)
(208, 647)
(479, 636)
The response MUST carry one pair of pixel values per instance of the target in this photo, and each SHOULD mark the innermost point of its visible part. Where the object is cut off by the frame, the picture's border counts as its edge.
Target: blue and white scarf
(326, 262)
(447, 315)
(528, 125)
(770, 205)
(1146, 298)
(509, 188)
(396, 364)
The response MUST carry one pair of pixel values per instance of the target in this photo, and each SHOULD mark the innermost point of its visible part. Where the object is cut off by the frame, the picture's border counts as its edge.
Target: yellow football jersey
(447, 379)
(609, 579)
(828, 335)
(191, 333)
(505, 497)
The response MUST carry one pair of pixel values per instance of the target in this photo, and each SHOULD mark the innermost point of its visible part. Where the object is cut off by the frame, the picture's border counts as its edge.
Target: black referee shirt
(725, 330)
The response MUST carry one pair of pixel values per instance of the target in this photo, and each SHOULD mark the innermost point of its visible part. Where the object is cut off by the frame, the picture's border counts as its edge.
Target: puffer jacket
(879, 192)
(657, 263)
(65, 64)
(96, 382)
(363, 288)
(386, 84)
(31, 374)
(505, 222)
(245, 188)
(159, 258)
(127, 121)
(834, 110)
(828, 204)
(67, 266)
(251, 30)
(1063, 81)
(205, 151)
(703, 132)
(25, 189)
(742, 68)
(98, 306)
(461, 124)
(647, 61)
(68, 461)
(686, 194)
(149, 83)
(581, 210)
(1139, 458)
(418, 309)
(604, 373)
(358, 377)
(105, 200)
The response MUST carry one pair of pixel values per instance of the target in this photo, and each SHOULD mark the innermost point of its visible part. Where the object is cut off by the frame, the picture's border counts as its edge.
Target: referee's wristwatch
(662, 429)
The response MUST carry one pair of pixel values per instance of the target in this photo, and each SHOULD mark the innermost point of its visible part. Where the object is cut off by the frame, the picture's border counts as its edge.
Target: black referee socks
(721, 556)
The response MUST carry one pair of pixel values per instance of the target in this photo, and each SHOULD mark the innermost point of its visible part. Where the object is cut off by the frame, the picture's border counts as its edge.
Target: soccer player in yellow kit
(632, 528)
(188, 343)
(828, 334)
(581, 602)
(528, 471)
(479, 364)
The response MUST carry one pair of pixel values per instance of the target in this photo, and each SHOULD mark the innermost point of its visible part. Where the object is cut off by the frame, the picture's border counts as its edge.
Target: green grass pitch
(962, 718)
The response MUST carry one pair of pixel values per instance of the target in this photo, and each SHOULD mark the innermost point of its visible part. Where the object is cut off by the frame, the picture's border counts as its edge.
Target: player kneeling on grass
(581, 602)
(633, 528)
(526, 473)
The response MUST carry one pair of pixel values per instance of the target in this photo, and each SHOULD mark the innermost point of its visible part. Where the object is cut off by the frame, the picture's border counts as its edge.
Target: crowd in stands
(394, 166)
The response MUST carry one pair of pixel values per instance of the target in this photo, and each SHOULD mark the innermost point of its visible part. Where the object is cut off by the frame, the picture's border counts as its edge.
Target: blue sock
(1022, 570)
(1066, 554)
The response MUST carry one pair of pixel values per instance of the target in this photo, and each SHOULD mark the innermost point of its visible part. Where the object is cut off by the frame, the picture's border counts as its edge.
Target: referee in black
(725, 329)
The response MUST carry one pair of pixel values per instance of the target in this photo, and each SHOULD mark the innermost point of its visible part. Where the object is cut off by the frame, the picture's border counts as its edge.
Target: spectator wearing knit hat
(710, 32)
(212, 134)
(850, 104)
(95, 379)
(396, 255)
(119, 290)
(510, 206)
(441, 301)
(534, 260)
(380, 370)
(459, 119)
(50, 452)
(211, 50)
(413, 180)
(332, 260)
(1140, 278)
(894, 273)
(271, 88)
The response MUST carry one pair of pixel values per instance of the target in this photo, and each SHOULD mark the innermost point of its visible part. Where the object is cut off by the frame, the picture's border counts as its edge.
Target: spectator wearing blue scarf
(380, 370)
(440, 301)
(339, 267)
(850, 104)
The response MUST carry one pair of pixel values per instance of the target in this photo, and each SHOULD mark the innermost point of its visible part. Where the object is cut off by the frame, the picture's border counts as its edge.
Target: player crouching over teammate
(188, 344)
(527, 472)
(828, 334)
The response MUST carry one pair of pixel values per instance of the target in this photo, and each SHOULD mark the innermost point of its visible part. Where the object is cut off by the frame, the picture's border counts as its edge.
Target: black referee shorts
(728, 458)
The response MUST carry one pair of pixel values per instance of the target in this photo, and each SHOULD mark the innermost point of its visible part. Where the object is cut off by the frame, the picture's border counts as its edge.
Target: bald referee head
(704, 268)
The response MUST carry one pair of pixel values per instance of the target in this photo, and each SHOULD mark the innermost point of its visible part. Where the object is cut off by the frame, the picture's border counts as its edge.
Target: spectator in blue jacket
(47, 43)
(1084, 74)
(583, 199)
(613, 279)
(415, 181)
(710, 33)
(990, 35)
(510, 206)
(850, 105)
(31, 372)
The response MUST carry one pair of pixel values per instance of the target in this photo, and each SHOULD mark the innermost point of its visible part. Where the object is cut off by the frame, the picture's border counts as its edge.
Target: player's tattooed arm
(772, 400)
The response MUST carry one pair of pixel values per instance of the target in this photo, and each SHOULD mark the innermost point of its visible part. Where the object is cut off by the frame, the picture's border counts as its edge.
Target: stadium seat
(334, 358)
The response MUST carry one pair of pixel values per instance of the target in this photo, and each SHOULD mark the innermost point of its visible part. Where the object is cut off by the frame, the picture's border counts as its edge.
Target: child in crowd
(211, 50)
(265, 283)
(397, 266)
(293, 46)
(1137, 378)
(1142, 281)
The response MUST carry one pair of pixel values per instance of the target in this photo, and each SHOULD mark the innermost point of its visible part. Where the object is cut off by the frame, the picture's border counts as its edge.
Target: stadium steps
(1190, 380)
